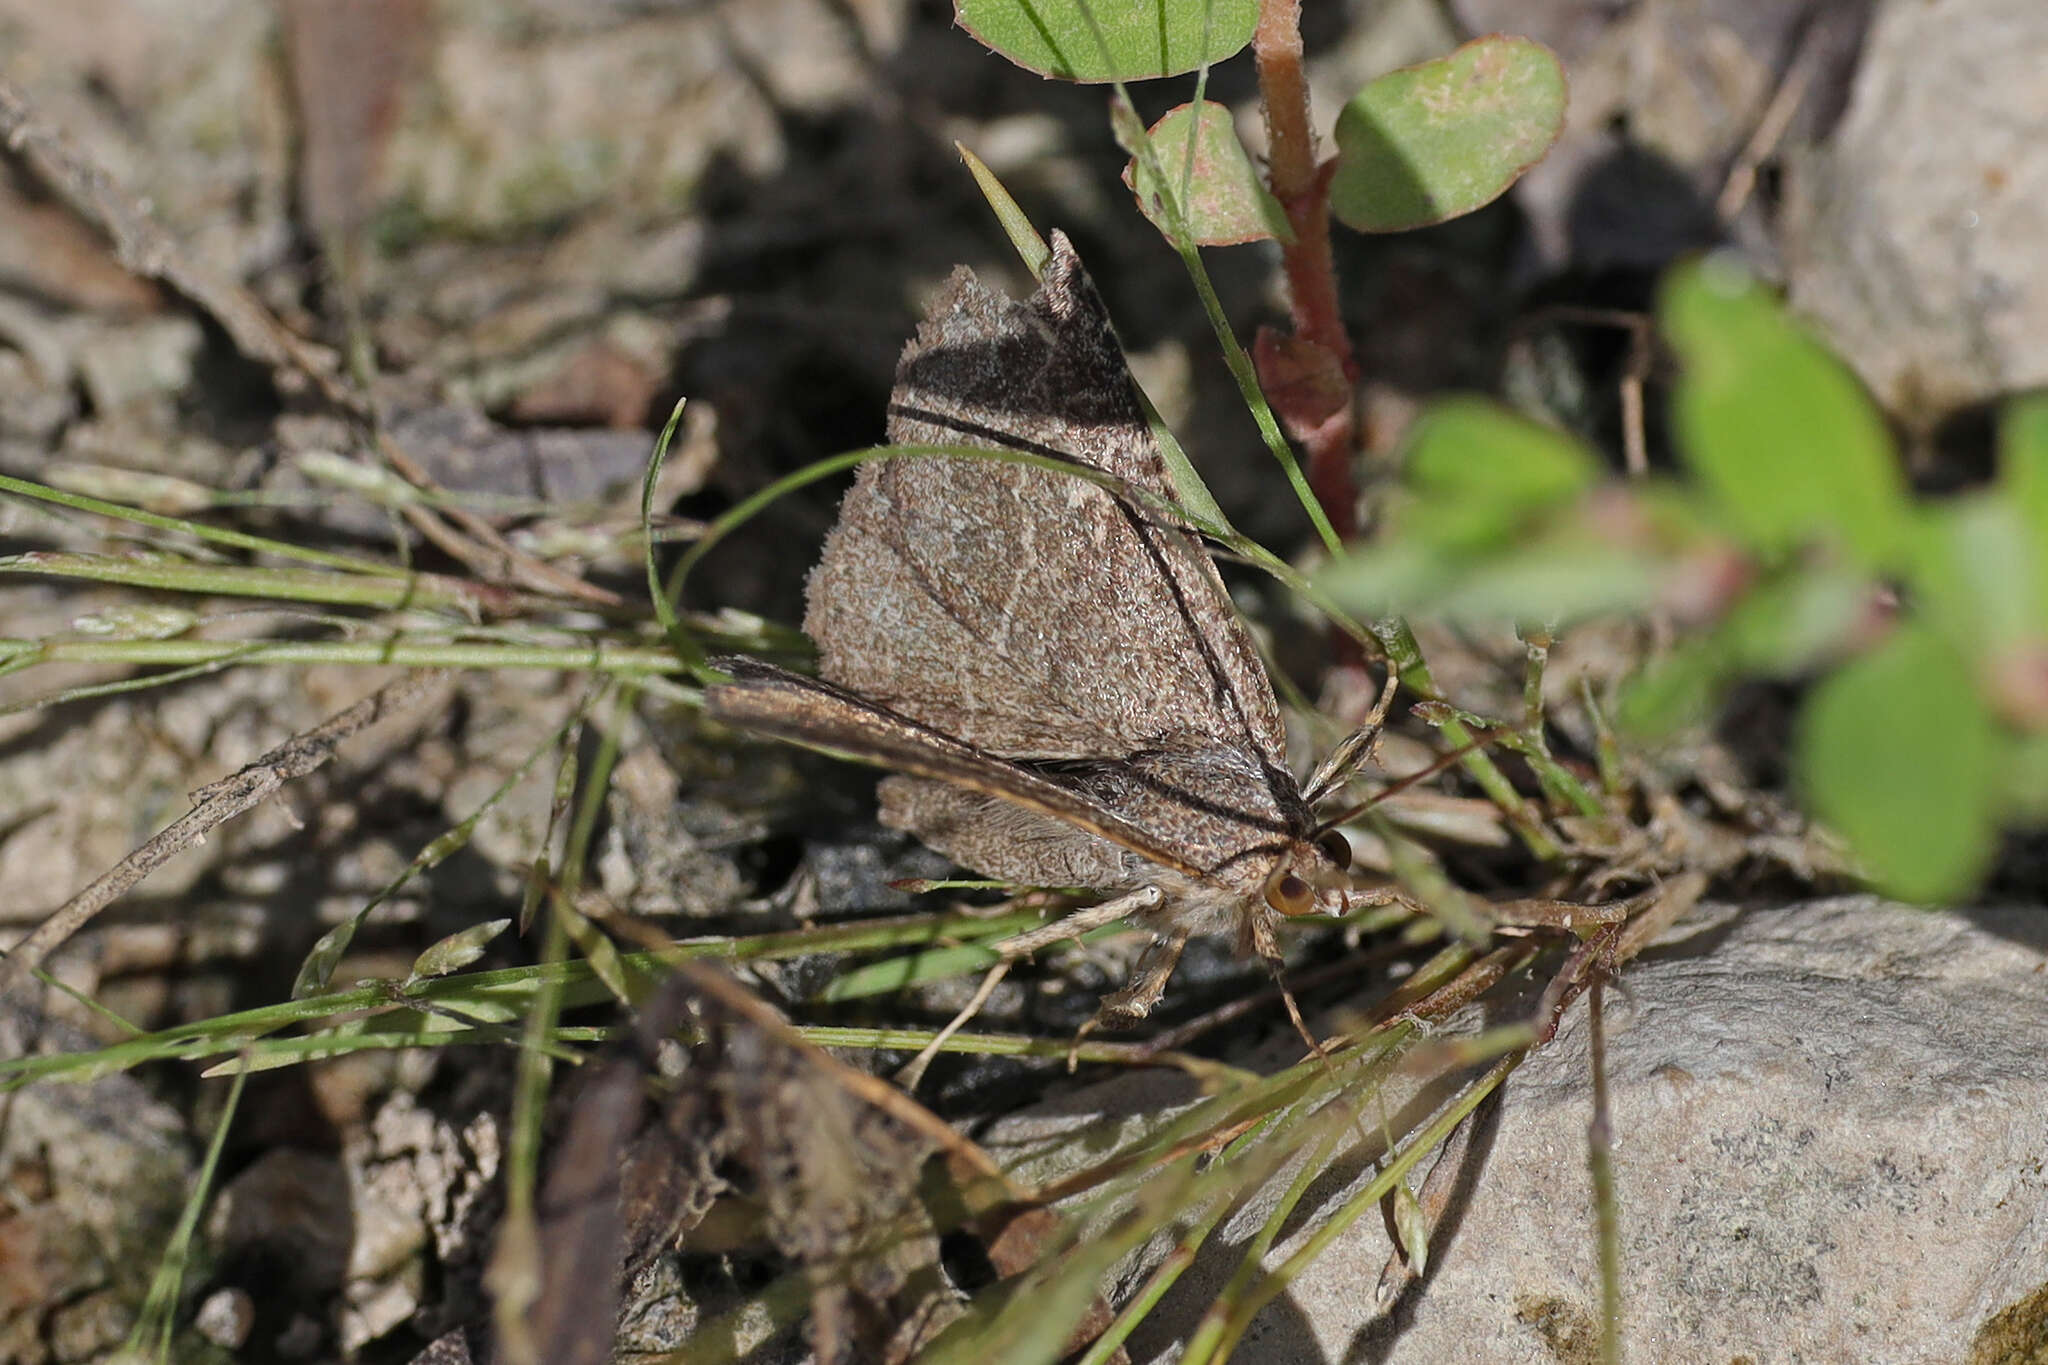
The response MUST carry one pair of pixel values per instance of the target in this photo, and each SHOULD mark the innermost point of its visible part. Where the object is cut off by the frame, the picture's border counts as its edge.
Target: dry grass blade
(480, 546)
(860, 1240)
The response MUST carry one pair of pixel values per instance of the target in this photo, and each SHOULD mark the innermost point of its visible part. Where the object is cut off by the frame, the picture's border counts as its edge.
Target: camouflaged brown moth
(1051, 665)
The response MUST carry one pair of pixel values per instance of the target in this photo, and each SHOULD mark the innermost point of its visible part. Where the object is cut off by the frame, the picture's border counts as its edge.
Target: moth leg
(1301, 1027)
(1023, 945)
(1020, 946)
(913, 1070)
(1120, 1009)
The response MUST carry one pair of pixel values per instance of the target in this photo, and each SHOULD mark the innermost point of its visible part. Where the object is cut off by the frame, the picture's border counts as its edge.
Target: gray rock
(1664, 96)
(1914, 236)
(1831, 1144)
(181, 103)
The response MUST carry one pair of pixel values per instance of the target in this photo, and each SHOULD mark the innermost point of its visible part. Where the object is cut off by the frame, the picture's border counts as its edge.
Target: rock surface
(1831, 1144)
(1917, 247)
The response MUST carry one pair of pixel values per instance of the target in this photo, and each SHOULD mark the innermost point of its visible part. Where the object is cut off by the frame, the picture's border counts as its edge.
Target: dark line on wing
(1280, 784)
(1004, 440)
(1256, 850)
(1098, 820)
(985, 435)
(1181, 796)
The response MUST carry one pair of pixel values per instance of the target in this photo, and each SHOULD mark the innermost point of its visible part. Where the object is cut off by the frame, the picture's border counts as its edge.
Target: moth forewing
(1059, 670)
(772, 701)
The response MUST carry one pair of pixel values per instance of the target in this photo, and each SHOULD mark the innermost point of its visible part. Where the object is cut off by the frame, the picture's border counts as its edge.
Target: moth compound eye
(1336, 848)
(1290, 895)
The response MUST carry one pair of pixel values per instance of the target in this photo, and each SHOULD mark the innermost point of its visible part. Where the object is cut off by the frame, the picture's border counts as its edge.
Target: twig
(1302, 187)
(1604, 953)
(213, 805)
(479, 546)
(1770, 129)
(143, 247)
(1606, 1211)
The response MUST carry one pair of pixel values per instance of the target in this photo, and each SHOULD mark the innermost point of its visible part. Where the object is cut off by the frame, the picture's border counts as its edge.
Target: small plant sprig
(1789, 547)
(1414, 147)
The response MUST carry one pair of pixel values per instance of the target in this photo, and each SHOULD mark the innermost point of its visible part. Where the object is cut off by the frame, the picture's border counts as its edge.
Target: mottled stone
(1830, 1140)
(1914, 236)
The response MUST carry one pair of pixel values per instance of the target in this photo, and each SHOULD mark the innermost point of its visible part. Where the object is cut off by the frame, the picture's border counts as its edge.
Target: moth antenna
(1401, 784)
(1356, 747)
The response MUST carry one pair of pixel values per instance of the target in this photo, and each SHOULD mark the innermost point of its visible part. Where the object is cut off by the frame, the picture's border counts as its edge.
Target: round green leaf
(1479, 471)
(1430, 142)
(1110, 40)
(1220, 194)
(1389, 578)
(1562, 579)
(2026, 778)
(1779, 431)
(1977, 571)
(1791, 623)
(1898, 752)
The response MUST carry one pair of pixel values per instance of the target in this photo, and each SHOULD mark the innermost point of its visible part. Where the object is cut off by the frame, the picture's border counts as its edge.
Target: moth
(1051, 666)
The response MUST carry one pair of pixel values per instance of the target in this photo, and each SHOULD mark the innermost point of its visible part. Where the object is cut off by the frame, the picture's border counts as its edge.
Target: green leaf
(1898, 752)
(2023, 475)
(1413, 1226)
(1431, 142)
(1796, 621)
(1110, 40)
(136, 621)
(2026, 778)
(1024, 239)
(1561, 579)
(1779, 628)
(1478, 472)
(1977, 568)
(1676, 691)
(1220, 194)
(1485, 528)
(1388, 579)
(1780, 432)
(456, 951)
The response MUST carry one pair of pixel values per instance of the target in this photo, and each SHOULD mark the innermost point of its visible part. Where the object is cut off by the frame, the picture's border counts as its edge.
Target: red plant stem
(1302, 187)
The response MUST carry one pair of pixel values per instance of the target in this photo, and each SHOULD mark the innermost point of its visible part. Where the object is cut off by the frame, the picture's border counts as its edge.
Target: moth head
(1312, 878)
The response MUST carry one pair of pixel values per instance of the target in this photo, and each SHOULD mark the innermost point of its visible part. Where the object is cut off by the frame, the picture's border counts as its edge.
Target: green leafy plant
(1789, 546)
(1414, 147)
